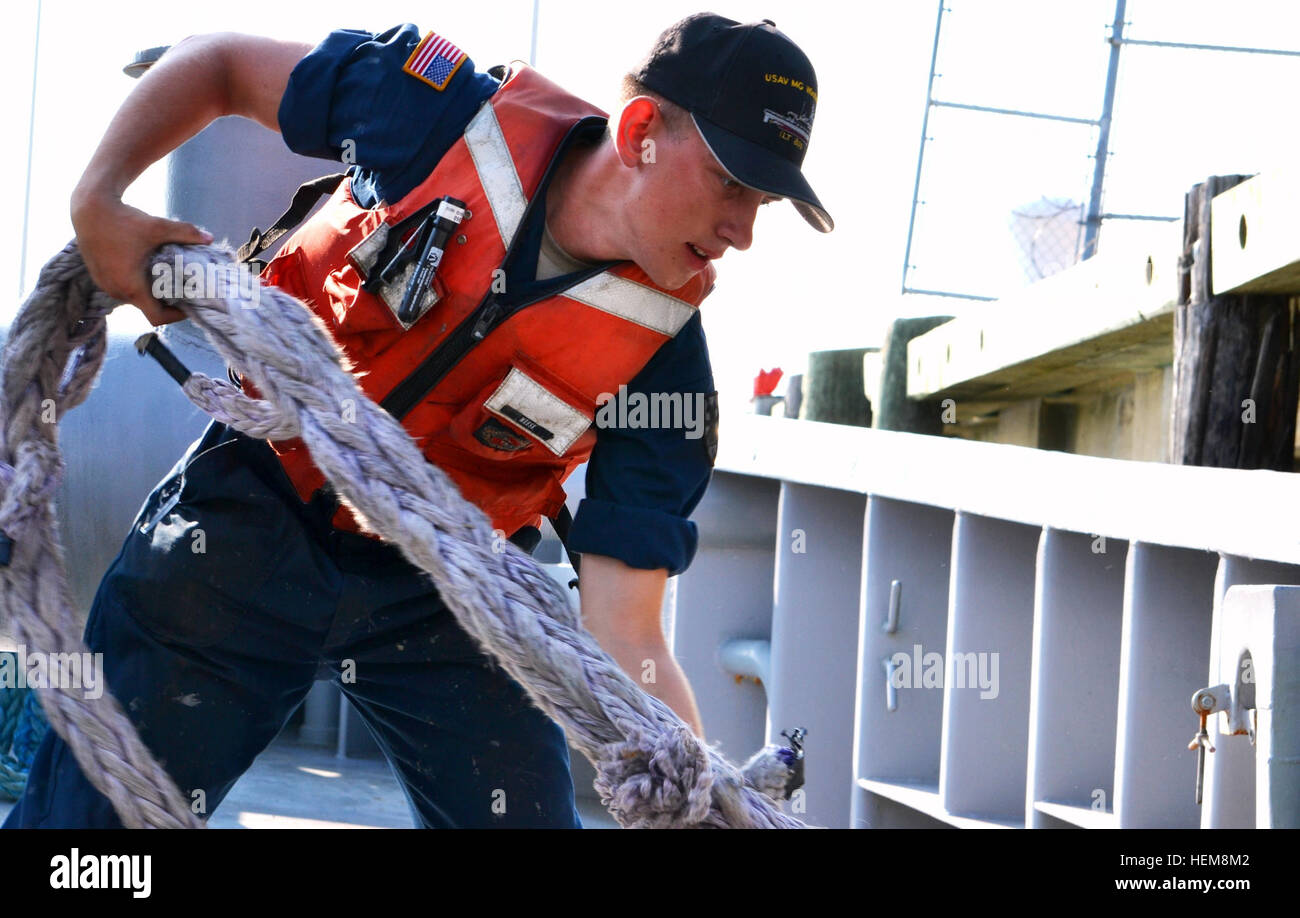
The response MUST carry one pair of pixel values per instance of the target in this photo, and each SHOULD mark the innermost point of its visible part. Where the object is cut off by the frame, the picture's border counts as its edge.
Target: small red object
(766, 381)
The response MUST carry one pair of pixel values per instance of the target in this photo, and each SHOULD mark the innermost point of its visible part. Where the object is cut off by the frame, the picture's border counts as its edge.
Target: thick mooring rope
(652, 772)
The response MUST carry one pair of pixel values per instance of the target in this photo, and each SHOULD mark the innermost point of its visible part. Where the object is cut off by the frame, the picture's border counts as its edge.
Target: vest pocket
(367, 258)
(520, 415)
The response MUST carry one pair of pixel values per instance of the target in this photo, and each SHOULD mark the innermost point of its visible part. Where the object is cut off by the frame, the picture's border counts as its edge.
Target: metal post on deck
(532, 46)
(1093, 220)
(31, 147)
(1094, 215)
(920, 156)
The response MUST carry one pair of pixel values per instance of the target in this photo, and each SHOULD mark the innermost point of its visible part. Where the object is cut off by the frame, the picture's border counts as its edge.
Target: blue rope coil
(22, 727)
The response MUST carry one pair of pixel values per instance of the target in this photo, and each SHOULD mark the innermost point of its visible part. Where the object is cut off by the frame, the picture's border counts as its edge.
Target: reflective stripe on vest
(496, 171)
(634, 302)
(505, 193)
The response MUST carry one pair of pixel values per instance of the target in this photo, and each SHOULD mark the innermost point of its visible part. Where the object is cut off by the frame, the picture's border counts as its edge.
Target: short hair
(675, 117)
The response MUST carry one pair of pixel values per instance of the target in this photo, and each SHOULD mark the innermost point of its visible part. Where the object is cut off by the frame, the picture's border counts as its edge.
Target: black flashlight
(448, 216)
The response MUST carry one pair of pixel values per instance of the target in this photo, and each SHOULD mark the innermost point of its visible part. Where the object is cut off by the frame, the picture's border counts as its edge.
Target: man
(582, 253)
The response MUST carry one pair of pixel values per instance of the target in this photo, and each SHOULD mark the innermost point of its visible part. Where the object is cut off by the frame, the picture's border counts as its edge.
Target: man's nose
(738, 229)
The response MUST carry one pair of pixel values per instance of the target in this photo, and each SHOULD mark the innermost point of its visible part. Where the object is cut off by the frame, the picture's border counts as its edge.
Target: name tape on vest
(528, 404)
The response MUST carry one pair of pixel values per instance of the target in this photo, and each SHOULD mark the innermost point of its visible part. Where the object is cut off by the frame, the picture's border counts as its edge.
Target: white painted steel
(1229, 798)
(1075, 679)
(1261, 625)
(747, 658)
(910, 543)
(990, 612)
(726, 594)
(1099, 583)
(814, 632)
(1168, 610)
(1247, 513)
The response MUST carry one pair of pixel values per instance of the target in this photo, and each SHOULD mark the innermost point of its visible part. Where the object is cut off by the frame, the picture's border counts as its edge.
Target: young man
(583, 252)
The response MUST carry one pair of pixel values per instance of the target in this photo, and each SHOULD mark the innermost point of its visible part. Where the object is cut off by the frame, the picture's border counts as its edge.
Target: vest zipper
(489, 314)
(487, 319)
(434, 368)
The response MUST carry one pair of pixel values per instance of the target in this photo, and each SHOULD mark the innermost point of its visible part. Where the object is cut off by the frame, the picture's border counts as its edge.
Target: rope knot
(769, 771)
(29, 485)
(656, 781)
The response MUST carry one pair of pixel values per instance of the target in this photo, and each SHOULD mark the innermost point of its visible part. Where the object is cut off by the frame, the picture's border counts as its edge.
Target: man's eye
(729, 182)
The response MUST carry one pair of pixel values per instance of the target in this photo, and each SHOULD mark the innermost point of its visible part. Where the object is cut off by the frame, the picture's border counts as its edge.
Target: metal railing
(985, 635)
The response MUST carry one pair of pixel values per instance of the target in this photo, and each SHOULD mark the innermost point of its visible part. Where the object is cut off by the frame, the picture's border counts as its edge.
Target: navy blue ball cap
(751, 92)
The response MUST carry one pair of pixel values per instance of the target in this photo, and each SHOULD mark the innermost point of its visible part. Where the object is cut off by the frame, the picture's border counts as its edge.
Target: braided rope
(55, 350)
(651, 770)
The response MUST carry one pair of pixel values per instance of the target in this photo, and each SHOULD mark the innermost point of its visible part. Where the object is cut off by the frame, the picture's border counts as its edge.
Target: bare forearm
(174, 100)
(198, 80)
(653, 668)
(621, 608)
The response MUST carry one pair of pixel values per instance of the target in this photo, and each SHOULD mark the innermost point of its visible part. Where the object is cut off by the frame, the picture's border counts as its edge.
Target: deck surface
(292, 786)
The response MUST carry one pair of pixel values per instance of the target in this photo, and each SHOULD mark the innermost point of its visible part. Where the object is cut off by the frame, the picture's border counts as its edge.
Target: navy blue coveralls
(210, 653)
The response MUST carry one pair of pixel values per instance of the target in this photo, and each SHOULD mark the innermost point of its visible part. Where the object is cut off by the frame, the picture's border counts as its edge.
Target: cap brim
(760, 168)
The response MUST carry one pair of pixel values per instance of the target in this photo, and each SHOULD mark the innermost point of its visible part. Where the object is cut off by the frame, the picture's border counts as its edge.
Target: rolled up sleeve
(308, 99)
(643, 483)
(352, 100)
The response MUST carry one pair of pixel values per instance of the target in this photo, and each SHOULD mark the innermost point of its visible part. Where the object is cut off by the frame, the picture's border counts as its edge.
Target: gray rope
(55, 350)
(652, 771)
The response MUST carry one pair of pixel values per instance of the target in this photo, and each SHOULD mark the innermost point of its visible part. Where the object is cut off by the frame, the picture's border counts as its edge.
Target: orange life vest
(512, 418)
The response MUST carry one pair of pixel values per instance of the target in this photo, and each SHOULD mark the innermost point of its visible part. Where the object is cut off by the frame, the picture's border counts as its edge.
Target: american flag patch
(435, 61)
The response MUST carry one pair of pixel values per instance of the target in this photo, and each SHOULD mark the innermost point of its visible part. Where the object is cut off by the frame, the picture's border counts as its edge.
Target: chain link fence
(1017, 144)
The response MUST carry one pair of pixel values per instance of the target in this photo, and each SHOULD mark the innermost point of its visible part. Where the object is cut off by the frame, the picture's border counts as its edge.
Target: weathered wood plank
(1255, 236)
(1235, 394)
(1112, 302)
(1137, 349)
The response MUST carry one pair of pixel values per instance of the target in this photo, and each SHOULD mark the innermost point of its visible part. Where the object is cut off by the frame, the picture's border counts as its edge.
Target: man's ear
(639, 118)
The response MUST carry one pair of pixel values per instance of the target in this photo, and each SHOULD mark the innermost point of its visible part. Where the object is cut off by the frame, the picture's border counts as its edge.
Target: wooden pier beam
(1235, 368)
